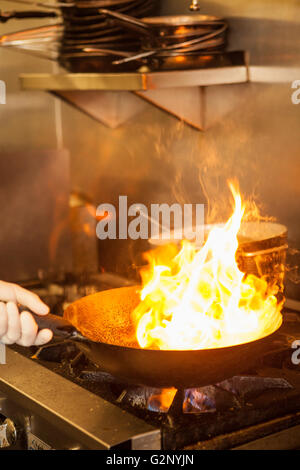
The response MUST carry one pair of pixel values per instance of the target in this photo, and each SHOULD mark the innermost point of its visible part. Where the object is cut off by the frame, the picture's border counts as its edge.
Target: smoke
(201, 163)
(292, 266)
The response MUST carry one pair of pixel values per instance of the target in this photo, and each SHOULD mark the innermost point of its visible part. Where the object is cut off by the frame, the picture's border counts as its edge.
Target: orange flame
(162, 400)
(198, 298)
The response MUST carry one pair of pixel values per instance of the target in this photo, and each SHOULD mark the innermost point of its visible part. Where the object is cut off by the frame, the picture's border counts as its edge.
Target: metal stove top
(57, 399)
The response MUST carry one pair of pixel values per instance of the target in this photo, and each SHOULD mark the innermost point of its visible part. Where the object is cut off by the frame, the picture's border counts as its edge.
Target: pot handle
(106, 51)
(140, 56)
(8, 15)
(127, 21)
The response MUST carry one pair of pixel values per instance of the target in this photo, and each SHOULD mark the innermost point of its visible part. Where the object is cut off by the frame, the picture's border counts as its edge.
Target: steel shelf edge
(133, 81)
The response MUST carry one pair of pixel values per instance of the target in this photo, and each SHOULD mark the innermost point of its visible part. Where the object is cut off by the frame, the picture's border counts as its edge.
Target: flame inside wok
(199, 299)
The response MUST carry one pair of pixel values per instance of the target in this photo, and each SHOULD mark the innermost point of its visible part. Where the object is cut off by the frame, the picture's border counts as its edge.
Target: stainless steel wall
(155, 158)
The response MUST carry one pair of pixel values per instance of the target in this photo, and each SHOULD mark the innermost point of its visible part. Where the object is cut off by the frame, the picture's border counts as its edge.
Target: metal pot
(262, 250)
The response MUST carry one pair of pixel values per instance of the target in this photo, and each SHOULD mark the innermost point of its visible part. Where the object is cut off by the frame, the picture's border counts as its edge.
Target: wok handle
(59, 326)
(127, 21)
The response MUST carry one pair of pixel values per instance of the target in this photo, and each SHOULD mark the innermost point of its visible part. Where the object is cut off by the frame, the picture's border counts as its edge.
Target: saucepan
(173, 42)
(175, 34)
(176, 27)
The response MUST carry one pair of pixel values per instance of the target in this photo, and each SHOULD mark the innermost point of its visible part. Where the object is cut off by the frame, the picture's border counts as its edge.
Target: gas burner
(176, 402)
(229, 394)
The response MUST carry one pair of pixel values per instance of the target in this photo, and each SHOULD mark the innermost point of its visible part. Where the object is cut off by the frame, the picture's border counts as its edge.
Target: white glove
(21, 328)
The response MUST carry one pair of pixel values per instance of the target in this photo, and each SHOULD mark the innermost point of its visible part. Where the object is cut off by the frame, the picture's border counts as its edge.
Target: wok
(101, 326)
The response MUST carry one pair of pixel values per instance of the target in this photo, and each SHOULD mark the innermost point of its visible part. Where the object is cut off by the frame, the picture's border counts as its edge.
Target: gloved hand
(21, 328)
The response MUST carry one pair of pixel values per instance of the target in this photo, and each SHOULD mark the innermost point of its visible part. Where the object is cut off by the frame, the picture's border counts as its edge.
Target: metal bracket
(111, 108)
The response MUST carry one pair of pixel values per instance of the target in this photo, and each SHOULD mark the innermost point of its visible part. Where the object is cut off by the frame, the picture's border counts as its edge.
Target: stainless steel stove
(53, 398)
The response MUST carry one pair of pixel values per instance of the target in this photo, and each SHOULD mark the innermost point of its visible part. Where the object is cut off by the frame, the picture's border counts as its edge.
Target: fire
(161, 400)
(198, 298)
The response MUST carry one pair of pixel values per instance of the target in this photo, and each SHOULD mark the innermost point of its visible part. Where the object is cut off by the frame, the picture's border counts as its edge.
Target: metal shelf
(134, 81)
(113, 98)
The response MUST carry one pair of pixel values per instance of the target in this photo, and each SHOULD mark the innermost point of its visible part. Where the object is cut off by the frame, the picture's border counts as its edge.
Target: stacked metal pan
(122, 42)
(92, 42)
(121, 36)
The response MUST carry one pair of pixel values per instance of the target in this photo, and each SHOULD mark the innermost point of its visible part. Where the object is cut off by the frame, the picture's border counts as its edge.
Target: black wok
(107, 337)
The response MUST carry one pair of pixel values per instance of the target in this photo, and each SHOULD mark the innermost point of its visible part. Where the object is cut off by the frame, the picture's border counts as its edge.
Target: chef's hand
(21, 328)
